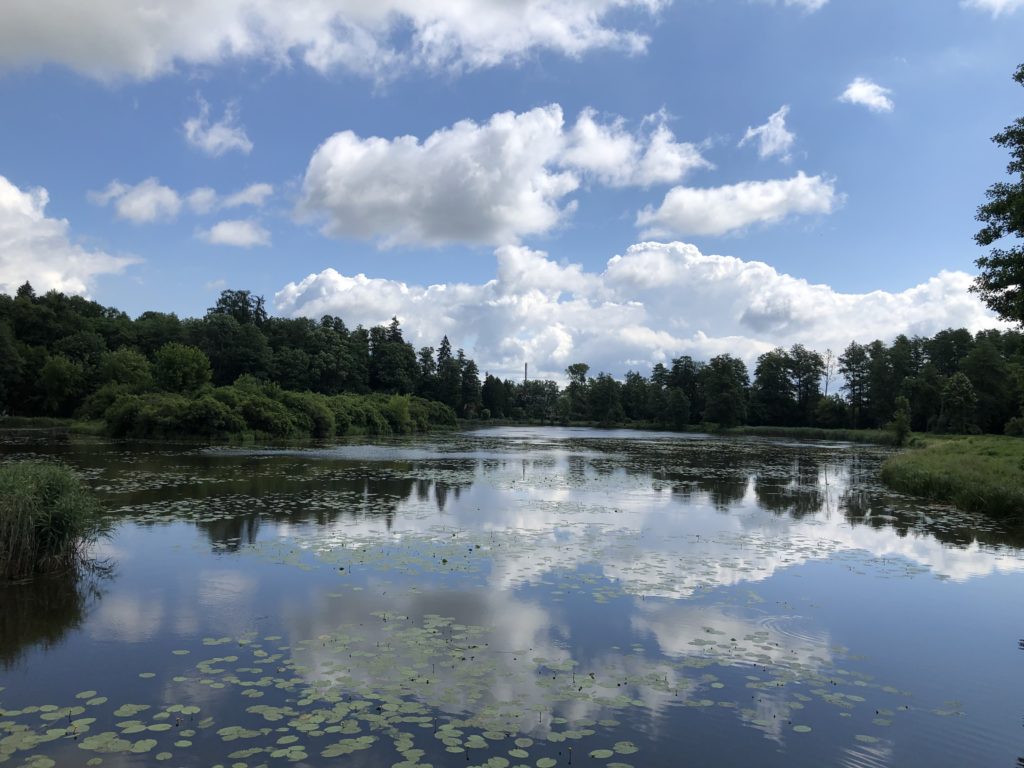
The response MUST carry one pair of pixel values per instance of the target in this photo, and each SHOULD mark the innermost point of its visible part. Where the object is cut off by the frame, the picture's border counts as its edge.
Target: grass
(978, 474)
(47, 518)
(872, 436)
(33, 422)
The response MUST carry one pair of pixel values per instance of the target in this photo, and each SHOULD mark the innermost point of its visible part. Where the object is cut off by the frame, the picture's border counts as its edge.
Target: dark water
(532, 597)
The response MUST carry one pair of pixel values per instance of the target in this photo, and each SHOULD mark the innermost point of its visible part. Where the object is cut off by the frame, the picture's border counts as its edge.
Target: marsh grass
(47, 519)
(870, 436)
(978, 474)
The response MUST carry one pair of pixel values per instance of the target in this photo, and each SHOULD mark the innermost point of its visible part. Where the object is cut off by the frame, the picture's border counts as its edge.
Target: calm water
(535, 597)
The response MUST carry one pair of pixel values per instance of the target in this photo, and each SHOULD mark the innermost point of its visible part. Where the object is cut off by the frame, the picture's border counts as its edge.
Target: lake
(515, 597)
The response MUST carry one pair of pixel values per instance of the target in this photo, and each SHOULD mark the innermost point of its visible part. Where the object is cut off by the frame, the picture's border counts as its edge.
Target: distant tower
(526, 372)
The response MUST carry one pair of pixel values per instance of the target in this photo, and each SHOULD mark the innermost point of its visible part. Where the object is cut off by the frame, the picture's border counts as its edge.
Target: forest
(238, 370)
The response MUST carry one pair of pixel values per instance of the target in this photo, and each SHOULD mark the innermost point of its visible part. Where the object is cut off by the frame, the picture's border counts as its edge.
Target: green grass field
(977, 473)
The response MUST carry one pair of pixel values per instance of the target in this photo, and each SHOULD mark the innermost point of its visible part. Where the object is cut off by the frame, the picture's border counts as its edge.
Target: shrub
(180, 368)
(396, 410)
(310, 413)
(47, 517)
(265, 415)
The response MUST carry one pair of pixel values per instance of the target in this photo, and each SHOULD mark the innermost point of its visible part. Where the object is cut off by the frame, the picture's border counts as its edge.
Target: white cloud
(480, 183)
(217, 138)
(869, 94)
(255, 195)
(997, 7)
(808, 5)
(202, 200)
(111, 39)
(243, 233)
(36, 248)
(773, 138)
(718, 210)
(150, 201)
(145, 202)
(653, 303)
(618, 158)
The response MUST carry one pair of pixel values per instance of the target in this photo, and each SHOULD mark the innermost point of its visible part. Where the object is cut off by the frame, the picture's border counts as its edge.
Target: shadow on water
(40, 613)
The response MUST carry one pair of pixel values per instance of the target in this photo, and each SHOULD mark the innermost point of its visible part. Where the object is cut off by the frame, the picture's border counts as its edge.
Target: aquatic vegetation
(487, 601)
(978, 474)
(47, 519)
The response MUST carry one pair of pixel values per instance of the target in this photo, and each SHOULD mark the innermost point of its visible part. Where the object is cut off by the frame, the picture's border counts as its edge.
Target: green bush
(311, 413)
(47, 517)
(396, 410)
(181, 368)
(266, 415)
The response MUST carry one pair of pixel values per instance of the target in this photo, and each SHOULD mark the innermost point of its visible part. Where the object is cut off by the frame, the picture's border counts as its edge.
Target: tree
(606, 399)
(469, 393)
(773, 396)
(958, 405)
(900, 424)
(806, 369)
(182, 369)
(634, 396)
(62, 383)
(725, 384)
(577, 390)
(11, 365)
(494, 397)
(246, 308)
(1001, 280)
(854, 365)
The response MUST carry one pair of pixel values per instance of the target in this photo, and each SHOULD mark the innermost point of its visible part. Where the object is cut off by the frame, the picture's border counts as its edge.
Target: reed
(47, 519)
(978, 474)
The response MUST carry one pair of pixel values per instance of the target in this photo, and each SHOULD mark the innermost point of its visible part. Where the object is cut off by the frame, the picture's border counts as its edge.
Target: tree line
(233, 370)
(238, 368)
(950, 382)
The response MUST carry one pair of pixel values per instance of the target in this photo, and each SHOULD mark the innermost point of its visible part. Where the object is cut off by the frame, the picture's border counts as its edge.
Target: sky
(617, 182)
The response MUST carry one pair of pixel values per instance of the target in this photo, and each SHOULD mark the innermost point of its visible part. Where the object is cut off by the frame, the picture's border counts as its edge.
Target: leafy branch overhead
(1001, 281)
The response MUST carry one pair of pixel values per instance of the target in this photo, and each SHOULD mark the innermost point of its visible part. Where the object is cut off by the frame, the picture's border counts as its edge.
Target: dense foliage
(1001, 280)
(233, 371)
(46, 518)
(952, 382)
(236, 370)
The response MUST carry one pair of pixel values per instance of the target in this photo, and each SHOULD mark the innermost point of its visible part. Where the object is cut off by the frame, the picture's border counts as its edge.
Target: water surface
(505, 597)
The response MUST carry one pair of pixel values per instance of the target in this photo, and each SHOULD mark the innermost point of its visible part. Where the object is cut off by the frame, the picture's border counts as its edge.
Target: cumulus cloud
(868, 94)
(718, 210)
(150, 201)
(480, 183)
(242, 233)
(996, 7)
(36, 248)
(217, 138)
(111, 39)
(616, 157)
(255, 195)
(655, 302)
(145, 202)
(773, 138)
(202, 200)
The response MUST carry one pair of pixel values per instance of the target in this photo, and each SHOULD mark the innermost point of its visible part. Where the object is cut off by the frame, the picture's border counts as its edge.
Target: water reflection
(697, 597)
(42, 612)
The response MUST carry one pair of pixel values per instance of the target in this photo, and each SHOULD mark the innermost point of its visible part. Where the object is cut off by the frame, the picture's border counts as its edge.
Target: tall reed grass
(47, 519)
(978, 474)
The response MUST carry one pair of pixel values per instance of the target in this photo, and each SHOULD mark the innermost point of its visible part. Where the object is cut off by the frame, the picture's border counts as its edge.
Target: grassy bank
(33, 422)
(979, 474)
(47, 517)
(871, 436)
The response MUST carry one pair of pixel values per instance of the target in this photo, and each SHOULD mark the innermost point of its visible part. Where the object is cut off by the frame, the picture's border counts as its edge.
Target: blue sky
(543, 140)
